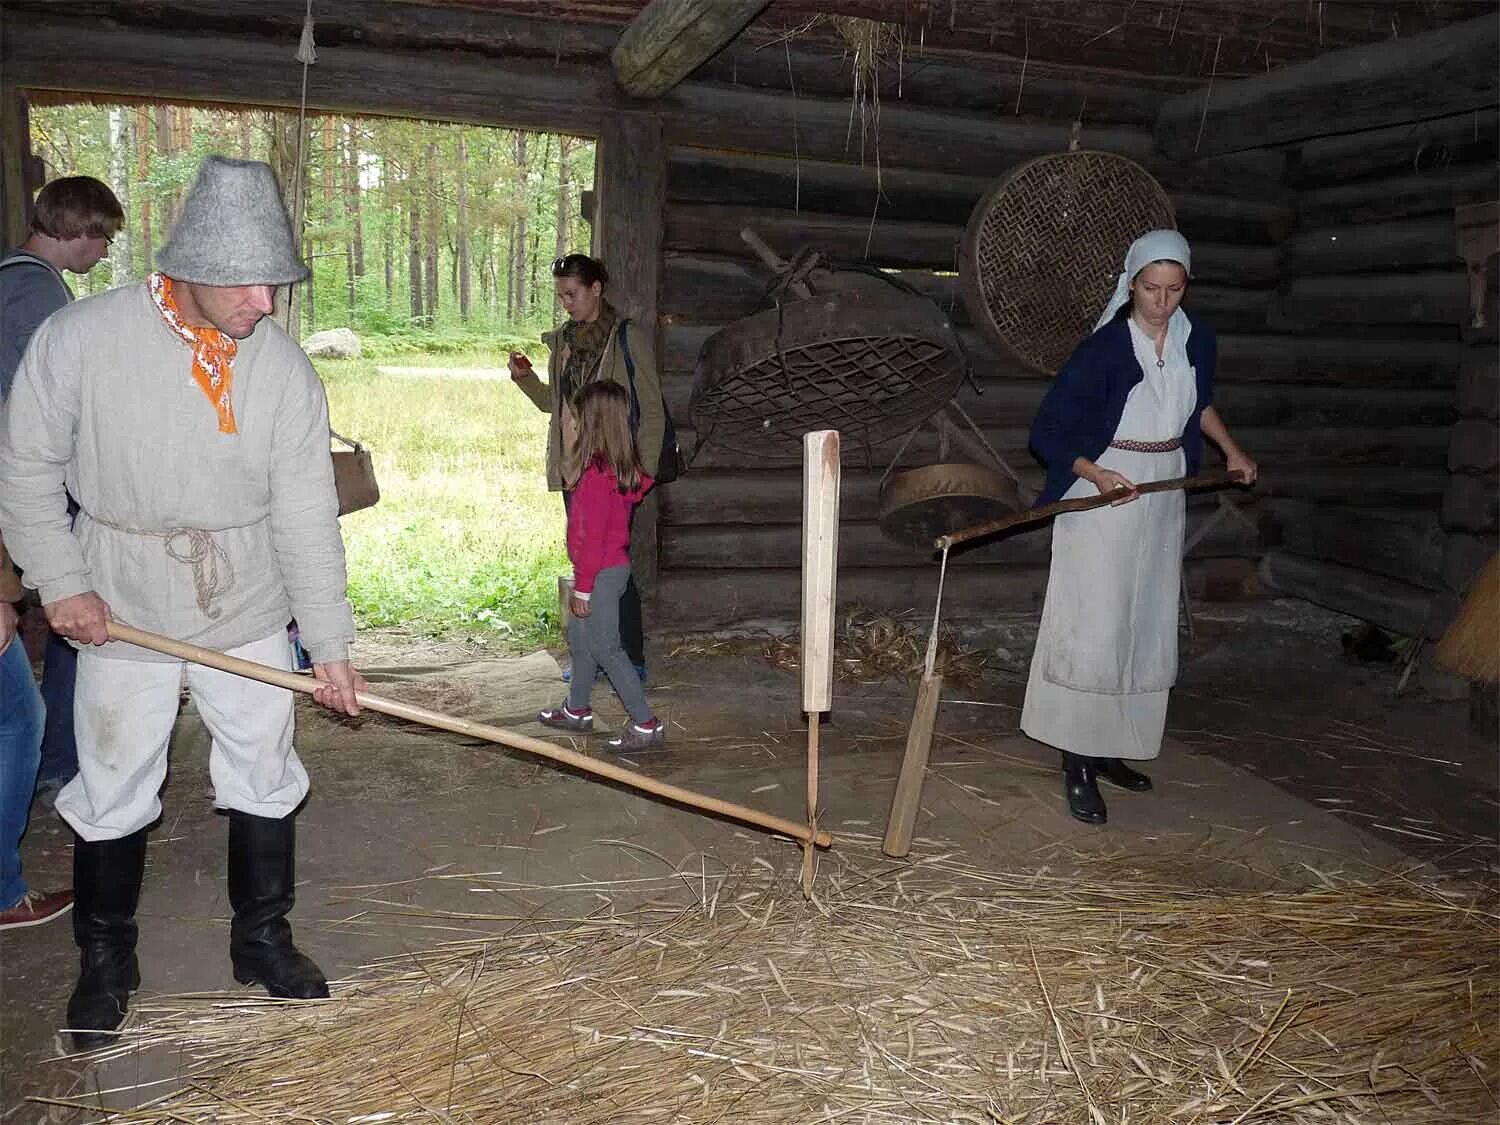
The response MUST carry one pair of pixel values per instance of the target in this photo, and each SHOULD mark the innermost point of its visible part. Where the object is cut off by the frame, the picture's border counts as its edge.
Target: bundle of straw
(941, 992)
(1471, 646)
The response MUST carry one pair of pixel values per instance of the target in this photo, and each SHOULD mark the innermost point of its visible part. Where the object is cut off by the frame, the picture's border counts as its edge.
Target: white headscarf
(1153, 246)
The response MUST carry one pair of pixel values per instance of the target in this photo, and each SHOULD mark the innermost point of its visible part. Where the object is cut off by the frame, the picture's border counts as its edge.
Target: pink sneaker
(639, 736)
(563, 717)
(35, 908)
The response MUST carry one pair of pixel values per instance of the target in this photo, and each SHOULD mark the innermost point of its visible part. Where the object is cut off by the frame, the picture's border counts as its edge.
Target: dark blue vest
(1082, 408)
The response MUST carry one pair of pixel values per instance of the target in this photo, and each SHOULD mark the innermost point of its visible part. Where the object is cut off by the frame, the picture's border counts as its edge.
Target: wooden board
(820, 563)
(1400, 80)
(1397, 197)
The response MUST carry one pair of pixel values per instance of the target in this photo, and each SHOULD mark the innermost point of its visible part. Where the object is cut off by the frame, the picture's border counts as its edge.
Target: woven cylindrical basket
(1043, 248)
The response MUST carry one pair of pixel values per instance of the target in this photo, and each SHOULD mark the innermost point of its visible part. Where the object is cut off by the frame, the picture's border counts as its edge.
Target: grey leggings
(594, 642)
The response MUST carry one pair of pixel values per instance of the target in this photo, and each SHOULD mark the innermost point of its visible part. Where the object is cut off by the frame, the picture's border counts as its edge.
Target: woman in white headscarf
(1130, 406)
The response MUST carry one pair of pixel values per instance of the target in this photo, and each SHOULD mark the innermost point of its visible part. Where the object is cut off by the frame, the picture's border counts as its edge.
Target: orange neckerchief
(213, 352)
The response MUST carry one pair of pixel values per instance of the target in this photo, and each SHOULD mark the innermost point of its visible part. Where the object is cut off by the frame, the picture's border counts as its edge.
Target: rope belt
(1147, 446)
(213, 573)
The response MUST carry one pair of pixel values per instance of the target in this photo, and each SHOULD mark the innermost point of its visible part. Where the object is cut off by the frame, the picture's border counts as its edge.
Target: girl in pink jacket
(609, 487)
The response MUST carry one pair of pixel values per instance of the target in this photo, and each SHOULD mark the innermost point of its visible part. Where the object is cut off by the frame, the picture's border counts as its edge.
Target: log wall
(1374, 266)
(1334, 411)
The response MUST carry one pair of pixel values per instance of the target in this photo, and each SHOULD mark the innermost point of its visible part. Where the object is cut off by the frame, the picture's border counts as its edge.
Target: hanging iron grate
(871, 363)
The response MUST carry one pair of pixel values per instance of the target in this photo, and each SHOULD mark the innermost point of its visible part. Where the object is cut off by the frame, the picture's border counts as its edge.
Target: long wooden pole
(279, 677)
(1082, 504)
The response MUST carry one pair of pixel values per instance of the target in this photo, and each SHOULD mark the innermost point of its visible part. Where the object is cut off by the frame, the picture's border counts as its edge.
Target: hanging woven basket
(871, 363)
(1043, 248)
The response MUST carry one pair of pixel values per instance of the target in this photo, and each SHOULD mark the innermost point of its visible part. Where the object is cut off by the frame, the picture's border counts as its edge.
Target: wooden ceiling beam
(672, 38)
(1400, 80)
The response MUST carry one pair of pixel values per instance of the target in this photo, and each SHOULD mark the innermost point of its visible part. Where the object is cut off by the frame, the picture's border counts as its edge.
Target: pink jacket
(599, 523)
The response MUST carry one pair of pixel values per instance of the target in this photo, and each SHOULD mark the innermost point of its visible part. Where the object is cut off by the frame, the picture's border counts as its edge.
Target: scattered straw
(874, 647)
(936, 992)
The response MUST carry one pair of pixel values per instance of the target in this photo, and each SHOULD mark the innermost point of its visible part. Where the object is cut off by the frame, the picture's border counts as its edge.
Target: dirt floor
(1286, 763)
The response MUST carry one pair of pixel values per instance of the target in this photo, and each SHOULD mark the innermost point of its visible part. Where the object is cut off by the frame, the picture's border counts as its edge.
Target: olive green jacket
(546, 396)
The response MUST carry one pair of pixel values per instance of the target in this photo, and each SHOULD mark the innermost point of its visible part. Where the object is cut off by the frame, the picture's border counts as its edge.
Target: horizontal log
(992, 85)
(1463, 556)
(1474, 446)
(1355, 361)
(1382, 601)
(1439, 72)
(1415, 446)
(1397, 197)
(1404, 544)
(866, 190)
(1418, 298)
(1403, 244)
(1355, 486)
(1298, 405)
(737, 546)
(98, 57)
(727, 117)
(699, 600)
(1419, 146)
(700, 228)
(715, 289)
(1326, 360)
(1471, 503)
(1479, 384)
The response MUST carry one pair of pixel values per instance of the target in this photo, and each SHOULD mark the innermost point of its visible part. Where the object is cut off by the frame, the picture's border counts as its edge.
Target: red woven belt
(1148, 446)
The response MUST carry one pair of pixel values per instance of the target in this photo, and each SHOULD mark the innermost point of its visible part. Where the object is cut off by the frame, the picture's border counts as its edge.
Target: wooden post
(820, 560)
(908, 799)
(630, 187)
(18, 178)
(672, 38)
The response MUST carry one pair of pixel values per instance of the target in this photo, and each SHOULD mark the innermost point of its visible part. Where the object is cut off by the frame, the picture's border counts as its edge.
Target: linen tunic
(1106, 652)
(104, 402)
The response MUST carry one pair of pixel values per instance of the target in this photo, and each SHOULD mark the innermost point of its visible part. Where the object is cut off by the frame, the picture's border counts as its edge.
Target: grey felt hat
(233, 229)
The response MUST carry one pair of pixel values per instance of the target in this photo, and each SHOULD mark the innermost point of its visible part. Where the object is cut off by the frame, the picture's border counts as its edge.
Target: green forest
(435, 244)
(419, 235)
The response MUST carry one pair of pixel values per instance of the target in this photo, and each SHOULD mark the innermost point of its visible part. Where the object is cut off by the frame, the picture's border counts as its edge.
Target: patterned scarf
(213, 352)
(586, 341)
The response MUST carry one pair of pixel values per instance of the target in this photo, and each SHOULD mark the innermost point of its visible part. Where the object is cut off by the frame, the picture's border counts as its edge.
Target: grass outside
(466, 540)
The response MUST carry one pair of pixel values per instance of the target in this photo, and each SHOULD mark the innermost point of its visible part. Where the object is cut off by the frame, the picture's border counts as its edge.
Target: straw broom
(1471, 646)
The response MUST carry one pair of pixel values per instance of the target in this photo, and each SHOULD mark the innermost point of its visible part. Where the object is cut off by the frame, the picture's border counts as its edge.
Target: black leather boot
(1119, 774)
(106, 888)
(1084, 801)
(262, 851)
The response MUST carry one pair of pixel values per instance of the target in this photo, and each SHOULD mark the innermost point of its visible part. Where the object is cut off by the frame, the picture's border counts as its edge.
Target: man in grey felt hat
(193, 433)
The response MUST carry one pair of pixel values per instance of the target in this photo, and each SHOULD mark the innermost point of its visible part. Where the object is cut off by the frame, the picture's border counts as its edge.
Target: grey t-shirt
(30, 291)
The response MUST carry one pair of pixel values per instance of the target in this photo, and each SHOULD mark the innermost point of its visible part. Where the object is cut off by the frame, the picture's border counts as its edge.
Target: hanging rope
(937, 617)
(307, 54)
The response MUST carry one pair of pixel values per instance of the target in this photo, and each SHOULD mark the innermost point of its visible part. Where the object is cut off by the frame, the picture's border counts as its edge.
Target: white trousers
(123, 714)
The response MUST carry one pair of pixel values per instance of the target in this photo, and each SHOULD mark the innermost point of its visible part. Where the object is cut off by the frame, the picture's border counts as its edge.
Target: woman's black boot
(262, 853)
(1084, 801)
(106, 888)
(1119, 774)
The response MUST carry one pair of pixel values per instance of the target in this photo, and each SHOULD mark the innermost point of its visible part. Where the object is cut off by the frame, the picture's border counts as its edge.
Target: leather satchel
(354, 476)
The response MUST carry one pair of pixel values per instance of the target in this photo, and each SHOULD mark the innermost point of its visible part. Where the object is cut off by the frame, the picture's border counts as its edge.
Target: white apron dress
(1106, 651)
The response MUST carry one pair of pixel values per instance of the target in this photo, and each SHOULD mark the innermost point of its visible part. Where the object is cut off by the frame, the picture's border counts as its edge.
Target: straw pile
(941, 992)
(1471, 646)
(874, 647)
